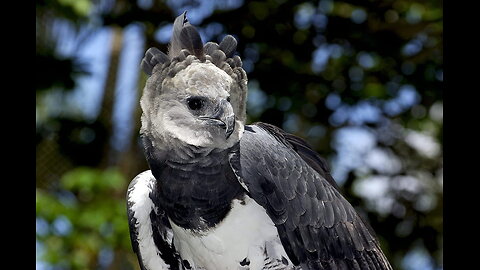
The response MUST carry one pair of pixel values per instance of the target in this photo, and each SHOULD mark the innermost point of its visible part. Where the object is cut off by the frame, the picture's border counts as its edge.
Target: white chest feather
(246, 232)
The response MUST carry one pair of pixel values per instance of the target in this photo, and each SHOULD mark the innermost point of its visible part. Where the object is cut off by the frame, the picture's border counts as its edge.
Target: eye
(195, 103)
(228, 99)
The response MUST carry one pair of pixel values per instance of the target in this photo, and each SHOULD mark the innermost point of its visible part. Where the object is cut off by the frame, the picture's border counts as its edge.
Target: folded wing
(318, 228)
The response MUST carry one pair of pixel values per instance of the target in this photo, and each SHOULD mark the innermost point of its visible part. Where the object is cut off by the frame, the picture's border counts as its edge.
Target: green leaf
(374, 90)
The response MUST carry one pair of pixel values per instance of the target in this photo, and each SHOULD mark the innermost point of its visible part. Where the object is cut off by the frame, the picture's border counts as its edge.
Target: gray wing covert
(318, 228)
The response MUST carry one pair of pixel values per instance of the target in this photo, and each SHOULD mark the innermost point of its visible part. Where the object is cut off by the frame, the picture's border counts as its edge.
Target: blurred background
(360, 80)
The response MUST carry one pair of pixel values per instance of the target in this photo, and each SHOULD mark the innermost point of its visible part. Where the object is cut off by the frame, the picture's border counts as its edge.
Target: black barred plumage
(259, 199)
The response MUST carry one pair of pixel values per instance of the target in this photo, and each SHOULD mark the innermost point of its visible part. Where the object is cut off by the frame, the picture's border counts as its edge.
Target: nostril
(222, 125)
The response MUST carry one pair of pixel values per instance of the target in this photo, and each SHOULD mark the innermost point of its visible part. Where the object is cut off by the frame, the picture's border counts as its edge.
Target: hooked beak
(227, 123)
(223, 118)
(230, 121)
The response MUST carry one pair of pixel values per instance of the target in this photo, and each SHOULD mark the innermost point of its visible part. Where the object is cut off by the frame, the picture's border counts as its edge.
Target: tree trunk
(106, 110)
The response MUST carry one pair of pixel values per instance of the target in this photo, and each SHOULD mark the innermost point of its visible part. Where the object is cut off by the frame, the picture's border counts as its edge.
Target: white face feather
(203, 79)
(170, 118)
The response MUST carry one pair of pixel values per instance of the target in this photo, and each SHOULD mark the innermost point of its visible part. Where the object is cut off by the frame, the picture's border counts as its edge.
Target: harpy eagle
(224, 195)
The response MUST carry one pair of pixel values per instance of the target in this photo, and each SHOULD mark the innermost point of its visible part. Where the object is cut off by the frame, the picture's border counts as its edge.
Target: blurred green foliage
(88, 215)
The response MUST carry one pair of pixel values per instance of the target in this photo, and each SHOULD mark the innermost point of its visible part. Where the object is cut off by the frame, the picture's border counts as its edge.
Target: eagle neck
(195, 186)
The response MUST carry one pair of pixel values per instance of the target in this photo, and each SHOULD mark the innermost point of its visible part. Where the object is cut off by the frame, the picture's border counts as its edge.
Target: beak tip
(230, 126)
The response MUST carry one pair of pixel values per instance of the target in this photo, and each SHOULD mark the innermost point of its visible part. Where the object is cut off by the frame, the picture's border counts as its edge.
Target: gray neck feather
(195, 185)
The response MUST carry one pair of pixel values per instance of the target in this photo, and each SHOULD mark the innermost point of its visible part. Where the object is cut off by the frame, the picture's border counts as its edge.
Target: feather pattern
(228, 45)
(190, 39)
(175, 45)
(150, 231)
(153, 56)
(319, 229)
(185, 36)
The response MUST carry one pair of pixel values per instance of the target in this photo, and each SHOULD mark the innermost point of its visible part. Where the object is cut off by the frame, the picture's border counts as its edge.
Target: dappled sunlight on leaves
(74, 234)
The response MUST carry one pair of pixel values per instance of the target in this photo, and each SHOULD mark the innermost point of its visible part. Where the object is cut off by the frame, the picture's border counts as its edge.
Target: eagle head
(196, 94)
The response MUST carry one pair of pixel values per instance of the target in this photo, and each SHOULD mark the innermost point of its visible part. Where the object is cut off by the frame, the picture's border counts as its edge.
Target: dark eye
(228, 99)
(195, 103)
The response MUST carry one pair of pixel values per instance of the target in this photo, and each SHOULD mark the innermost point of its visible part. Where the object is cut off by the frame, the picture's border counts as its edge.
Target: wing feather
(318, 228)
(150, 231)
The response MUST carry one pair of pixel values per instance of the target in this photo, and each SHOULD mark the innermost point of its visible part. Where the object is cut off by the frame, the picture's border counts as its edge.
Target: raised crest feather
(228, 45)
(175, 45)
(185, 36)
(190, 39)
(153, 56)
